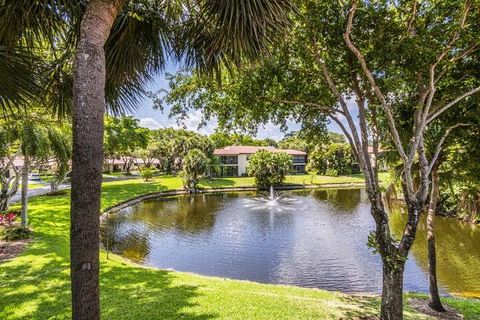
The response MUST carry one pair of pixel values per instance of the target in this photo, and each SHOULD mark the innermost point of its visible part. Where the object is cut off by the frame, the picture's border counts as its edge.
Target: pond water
(314, 238)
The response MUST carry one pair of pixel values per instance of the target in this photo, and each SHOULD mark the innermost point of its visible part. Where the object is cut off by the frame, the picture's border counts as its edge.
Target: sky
(155, 119)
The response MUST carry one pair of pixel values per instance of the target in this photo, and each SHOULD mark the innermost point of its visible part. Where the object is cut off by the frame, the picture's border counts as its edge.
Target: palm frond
(32, 21)
(20, 79)
(136, 50)
(218, 31)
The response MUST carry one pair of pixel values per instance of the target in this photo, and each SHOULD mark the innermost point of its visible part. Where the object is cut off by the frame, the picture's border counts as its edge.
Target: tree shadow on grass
(42, 291)
(368, 307)
(36, 285)
(142, 293)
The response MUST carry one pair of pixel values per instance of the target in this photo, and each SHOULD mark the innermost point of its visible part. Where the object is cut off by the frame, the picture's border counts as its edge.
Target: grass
(35, 185)
(36, 284)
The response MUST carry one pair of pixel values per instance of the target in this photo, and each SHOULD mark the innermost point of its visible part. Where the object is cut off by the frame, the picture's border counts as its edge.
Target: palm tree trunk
(435, 302)
(25, 172)
(87, 157)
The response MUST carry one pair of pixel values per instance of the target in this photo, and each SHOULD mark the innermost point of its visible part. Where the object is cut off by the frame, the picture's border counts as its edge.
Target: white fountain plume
(273, 200)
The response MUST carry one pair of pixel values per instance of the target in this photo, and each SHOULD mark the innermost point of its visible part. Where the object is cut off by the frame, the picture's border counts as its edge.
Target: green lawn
(35, 285)
(36, 185)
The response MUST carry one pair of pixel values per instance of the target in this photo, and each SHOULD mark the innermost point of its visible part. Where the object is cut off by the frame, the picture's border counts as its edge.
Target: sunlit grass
(36, 284)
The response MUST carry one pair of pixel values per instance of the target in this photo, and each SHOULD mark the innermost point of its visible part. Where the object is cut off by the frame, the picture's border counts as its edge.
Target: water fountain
(272, 200)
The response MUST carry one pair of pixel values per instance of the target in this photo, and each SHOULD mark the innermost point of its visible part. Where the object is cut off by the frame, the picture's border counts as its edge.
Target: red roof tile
(236, 150)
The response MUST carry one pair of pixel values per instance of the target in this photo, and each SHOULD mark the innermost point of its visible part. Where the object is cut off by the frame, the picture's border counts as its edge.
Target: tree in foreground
(338, 64)
(269, 168)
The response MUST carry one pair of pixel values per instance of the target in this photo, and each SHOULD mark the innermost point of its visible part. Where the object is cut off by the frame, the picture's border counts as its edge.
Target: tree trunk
(87, 156)
(25, 172)
(392, 292)
(435, 302)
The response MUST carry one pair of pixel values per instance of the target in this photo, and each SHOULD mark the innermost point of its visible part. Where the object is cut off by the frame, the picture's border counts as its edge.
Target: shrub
(147, 173)
(57, 193)
(18, 233)
(331, 172)
(336, 156)
(7, 218)
(269, 168)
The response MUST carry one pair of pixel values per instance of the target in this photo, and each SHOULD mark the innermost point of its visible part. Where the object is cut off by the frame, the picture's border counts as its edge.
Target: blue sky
(155, 119)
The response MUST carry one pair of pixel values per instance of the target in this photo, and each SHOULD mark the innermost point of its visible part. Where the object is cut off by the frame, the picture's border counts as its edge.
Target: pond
(314, 238)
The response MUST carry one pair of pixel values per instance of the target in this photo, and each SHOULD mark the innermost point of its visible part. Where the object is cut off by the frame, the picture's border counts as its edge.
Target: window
(229, 159)
(299, 159)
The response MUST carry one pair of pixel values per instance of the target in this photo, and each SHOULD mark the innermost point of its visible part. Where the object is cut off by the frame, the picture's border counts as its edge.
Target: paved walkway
(44, 190)
(37, 192)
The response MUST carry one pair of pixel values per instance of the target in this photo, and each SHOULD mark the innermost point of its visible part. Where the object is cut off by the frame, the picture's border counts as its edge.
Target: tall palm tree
(117, 46)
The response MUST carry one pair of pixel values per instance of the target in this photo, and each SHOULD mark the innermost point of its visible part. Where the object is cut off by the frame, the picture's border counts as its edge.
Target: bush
(147, 173)
(57, 193)
(7, 218)
(336, 156)
(17, 233)
(331, 172)
(269, 168)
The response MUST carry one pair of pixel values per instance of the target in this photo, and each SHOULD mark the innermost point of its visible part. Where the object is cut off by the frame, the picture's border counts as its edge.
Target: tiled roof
(236, 150)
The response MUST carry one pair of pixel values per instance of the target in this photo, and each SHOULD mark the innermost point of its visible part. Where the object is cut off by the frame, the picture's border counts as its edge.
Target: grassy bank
(36, 285)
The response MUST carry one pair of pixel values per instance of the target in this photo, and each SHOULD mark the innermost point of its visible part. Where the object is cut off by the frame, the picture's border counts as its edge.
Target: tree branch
(342, 102)
(439, 147)
(368, 74)
(304, 103)
(432, 116)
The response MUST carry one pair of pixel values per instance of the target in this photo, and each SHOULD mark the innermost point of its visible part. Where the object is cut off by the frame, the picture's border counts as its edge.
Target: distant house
(18, 164)
(120, 165)
(234, 159)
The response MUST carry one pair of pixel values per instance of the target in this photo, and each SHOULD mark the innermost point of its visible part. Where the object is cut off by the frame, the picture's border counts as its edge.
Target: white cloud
(150, 123)
(191, 122)
(269, 130)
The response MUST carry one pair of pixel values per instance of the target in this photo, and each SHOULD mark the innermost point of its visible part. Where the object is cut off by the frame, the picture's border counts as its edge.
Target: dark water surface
(309, 238)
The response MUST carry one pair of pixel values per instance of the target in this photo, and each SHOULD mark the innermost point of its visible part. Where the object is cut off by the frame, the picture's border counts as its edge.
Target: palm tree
(119, 45)
(38, 139)
(33, 145)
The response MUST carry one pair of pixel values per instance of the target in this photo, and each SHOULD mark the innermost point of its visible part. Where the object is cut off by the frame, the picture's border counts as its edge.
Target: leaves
(269, 168)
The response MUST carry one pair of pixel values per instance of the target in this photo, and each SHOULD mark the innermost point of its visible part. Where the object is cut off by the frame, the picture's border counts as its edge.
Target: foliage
(147, 173)
(331, 172)
(333, 159)
(170, 146)
(61, 153)
(214, 166)
(15, 233)
(123, 136)
(269, 168)
(9, 174)
(222, 139)
(195, 164)
(7, 218)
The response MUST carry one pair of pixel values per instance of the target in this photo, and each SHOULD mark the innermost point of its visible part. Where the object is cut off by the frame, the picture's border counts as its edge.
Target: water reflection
(316, 239)
(458, 252)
